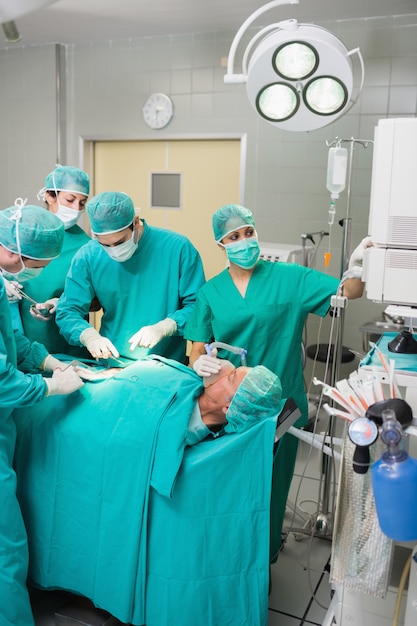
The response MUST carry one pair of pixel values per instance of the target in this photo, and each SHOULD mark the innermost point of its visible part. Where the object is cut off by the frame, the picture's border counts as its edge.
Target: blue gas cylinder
(394, 482)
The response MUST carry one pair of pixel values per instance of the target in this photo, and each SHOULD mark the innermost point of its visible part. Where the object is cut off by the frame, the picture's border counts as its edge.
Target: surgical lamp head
(110, 212)
(31, 231)
(67, 178)
(257, 398)
(230, 217)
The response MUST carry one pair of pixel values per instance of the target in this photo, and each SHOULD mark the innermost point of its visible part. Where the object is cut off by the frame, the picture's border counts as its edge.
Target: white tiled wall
(106, 86)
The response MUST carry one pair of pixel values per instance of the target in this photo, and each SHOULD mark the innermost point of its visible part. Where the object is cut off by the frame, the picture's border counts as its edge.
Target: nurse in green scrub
(65, 193)
(262, 307)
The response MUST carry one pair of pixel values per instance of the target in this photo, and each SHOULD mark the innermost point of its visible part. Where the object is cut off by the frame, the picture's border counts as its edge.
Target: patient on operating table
(235, 397)
(105, 474)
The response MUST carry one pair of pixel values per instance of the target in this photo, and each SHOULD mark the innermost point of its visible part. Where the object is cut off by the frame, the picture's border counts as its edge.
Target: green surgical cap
(39, 233)
(66, 178)
(230, 217)
(257, 397)
(110, 212)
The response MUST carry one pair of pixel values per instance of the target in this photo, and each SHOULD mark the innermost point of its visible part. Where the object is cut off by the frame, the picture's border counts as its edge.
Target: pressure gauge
(158, 110)
(363, 431)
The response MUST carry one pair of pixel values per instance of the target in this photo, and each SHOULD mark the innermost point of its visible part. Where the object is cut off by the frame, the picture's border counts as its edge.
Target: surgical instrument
(45, 311)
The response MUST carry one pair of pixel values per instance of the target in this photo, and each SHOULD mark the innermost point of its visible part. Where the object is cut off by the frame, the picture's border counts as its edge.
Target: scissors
(45, 311)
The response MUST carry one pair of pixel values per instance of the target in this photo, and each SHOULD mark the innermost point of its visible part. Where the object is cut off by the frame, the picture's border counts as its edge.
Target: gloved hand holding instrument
(42, 311)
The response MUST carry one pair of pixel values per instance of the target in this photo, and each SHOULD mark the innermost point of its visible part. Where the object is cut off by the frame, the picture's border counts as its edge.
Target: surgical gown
(17, 390)
(160, 280)
(50, 284)
(268, 322)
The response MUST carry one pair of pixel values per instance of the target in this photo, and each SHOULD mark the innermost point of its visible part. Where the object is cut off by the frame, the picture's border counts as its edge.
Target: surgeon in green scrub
(30, 238)
(144, 277)
(65, 193)
(262, 307)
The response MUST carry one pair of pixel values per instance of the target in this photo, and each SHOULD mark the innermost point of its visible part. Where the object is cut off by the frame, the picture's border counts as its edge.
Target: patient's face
(227, 383)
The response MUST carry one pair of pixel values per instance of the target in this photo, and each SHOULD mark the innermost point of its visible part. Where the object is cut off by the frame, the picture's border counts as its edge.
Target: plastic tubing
(225, 346)
(316, 441)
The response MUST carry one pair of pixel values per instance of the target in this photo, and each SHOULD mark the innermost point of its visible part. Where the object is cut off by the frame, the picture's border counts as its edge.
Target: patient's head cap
(110, 212)
(257, 397)
(230, 217)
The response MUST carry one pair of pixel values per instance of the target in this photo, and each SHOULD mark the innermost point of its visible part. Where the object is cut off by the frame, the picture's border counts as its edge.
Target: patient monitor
(390, 266)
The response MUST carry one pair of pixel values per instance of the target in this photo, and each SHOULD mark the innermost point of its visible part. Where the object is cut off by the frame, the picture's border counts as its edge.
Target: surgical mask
(123, 251)
(244, 253)
(25, 274)
(68, 216)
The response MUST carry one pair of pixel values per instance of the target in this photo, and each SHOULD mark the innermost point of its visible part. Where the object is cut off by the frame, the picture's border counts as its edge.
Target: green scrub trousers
(17, 389)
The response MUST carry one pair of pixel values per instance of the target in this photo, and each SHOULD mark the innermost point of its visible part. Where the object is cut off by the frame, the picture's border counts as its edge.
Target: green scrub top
(160, 280)
(268, 322)
(50, 284)
(17, 390)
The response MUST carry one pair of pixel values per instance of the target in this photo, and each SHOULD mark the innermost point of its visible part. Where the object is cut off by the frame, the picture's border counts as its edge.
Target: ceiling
(84, 21)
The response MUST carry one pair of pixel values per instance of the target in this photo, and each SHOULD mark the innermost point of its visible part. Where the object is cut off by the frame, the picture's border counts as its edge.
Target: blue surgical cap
(229, 218)
(257, 397)
(38, 233)
(67, 178)
(110, 212)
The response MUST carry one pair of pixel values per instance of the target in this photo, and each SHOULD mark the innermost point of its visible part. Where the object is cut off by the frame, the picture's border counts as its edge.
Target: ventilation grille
(402, 231)
(401, 259)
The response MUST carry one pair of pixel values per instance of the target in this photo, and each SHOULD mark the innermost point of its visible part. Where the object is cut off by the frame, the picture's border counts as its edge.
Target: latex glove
(50, 305)
(12, 294)
(98, 346)
(356, 258)
(207, 365)
(50, 363)
(149, 336)
(63, 382)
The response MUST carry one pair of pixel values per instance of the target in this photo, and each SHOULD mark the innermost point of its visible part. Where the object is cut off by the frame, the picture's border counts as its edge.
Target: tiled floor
(300, 590)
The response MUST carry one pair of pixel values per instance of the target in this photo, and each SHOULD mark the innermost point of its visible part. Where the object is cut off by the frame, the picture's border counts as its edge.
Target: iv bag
(336, 171)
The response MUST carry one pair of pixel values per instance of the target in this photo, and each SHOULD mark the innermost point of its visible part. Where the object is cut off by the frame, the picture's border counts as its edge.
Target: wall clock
(158, 110)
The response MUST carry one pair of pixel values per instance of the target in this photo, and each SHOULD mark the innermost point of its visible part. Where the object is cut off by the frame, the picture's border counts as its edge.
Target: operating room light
(295, 60)
(325, 95)
(277, 102)
(298, 77)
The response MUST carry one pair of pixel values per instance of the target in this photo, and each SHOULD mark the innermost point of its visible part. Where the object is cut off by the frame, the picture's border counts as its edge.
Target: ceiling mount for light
(11, 33)
(299, 77)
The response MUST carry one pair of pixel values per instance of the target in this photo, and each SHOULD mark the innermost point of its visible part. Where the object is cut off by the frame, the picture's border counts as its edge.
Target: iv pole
(321, 523)
(324, 521)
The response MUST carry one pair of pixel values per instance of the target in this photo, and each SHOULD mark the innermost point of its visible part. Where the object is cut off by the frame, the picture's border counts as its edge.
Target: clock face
(158, 110)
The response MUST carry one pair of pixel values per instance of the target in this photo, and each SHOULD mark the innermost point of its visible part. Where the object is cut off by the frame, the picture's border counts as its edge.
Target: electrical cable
(400, 590)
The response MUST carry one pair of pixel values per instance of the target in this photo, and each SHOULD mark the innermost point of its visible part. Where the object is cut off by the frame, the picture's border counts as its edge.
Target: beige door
(210, 175)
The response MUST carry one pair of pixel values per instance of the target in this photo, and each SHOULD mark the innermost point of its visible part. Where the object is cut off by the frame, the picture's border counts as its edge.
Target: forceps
(44, 311)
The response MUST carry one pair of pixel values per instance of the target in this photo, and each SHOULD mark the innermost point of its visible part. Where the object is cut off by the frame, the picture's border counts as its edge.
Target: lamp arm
(230, 77)
(353, 101)
(284, 25)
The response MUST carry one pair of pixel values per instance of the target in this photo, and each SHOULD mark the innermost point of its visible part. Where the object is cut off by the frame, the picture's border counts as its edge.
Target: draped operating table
(120, 511)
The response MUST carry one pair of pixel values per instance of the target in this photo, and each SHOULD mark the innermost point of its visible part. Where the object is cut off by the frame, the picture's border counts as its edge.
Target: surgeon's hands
(44, 310)
(207, 365)
(63, 382)
(98, 346)
(12, 294)
(50, 363)
(149, 336)
(356, 258)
